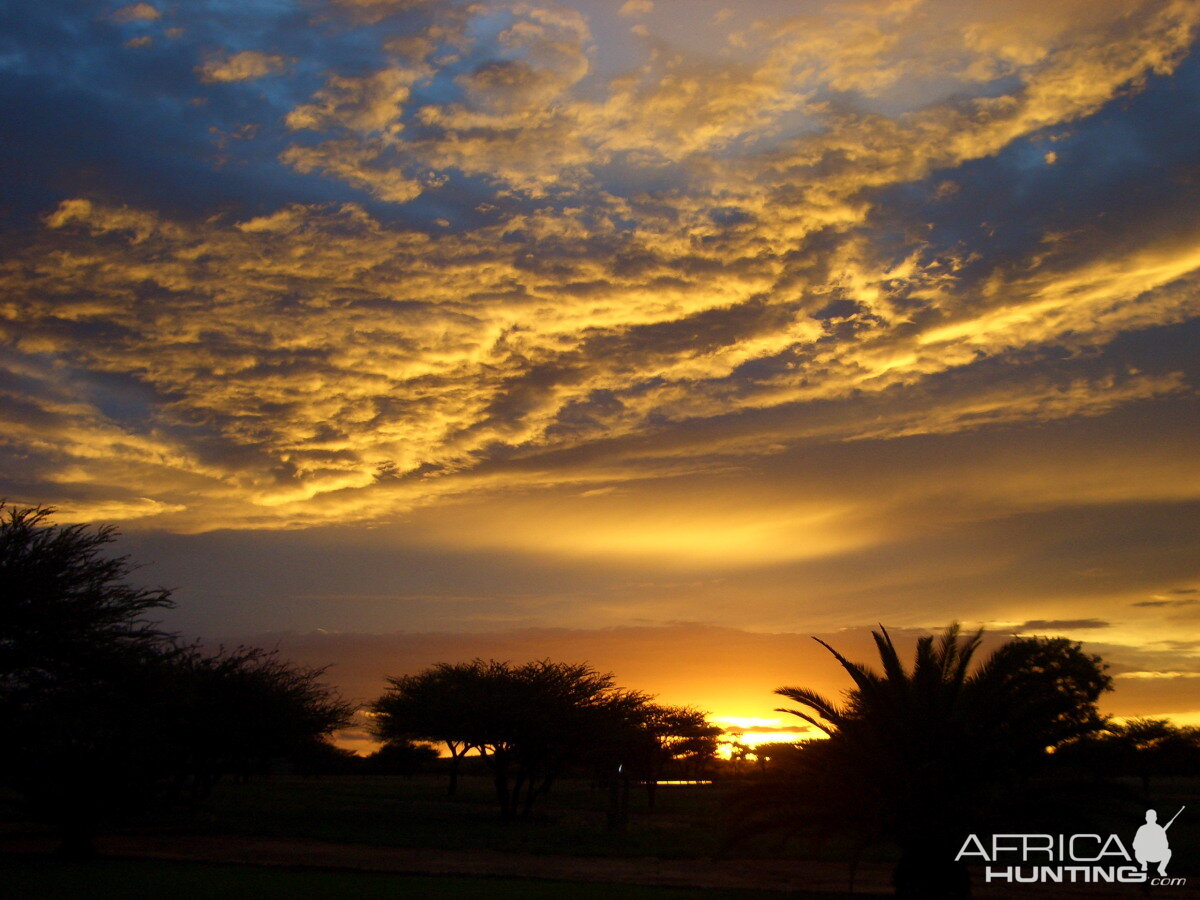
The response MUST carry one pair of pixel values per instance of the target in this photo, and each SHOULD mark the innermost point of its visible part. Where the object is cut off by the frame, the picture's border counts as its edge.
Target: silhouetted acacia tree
(75, 651)
(65, 603)
(679, 736)
(919, 753)
(447, 704)
(526, 721)
(546, 715)
(639, 741)
(777, 755)
(105, 714)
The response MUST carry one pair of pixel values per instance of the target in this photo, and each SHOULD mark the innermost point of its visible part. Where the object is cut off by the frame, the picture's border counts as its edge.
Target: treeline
(105, 715)
(530, 723)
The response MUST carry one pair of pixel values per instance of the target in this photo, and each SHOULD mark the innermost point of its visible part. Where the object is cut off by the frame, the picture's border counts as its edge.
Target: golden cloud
(321, 362)
(244, 66)
(137, 12)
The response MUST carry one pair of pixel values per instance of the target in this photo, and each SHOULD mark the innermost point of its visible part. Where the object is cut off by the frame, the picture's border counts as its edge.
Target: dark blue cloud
(1129, 172)
(87, 115)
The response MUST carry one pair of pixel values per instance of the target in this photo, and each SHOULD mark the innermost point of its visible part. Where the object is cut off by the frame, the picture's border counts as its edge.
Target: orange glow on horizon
(754, 731)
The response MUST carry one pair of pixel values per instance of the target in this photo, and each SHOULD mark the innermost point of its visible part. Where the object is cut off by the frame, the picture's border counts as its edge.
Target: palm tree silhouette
(920, 754)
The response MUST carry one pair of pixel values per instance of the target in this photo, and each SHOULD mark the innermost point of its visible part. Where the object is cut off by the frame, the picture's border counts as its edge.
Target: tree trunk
(498, 762)
(504, 795)
(452, 787)
(516, 802)
(618, 800)
(655, 765)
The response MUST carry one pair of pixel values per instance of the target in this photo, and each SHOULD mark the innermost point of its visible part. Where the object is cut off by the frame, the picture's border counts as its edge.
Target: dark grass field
(385, 811)
(47, 879)
(688, 820)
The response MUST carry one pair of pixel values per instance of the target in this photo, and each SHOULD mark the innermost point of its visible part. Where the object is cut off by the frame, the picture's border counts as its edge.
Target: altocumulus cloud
(530, 249)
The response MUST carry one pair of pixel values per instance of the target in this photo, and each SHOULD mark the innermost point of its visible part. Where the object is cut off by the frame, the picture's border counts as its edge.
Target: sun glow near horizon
(755, 731)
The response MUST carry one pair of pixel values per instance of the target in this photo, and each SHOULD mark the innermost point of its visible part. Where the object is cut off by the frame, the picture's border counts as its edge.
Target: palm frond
(948, 648)
(966, 652)
(860, 673)
(892, 667)
(823, 706)
(807, 718)
(926, 668)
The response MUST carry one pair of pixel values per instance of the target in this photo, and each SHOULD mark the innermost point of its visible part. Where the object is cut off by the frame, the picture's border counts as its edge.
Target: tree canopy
(446, 704)
(64, 600)
(107, 714)
(530, 721)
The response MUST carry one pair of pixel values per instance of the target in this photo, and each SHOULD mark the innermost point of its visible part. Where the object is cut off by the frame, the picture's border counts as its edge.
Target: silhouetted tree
(235, 711)
(75, 652)
(65, 603)
(1046, 689)
(547, 715)
(776, 755)
(527, 721)
(105, 714)
(683, 738)
(1141, 748)
(447, 703)
(319, 757)
(916, 754)
(642, 741)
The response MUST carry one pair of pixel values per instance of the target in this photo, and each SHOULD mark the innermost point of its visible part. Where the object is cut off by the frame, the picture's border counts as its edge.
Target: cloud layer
(810, 294)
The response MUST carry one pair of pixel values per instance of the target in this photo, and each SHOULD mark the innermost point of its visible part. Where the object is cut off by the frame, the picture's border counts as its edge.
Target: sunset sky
(661, 335)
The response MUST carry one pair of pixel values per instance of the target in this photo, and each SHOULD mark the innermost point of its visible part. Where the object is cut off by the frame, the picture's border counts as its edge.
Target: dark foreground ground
(363, 837)
(129, 879)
